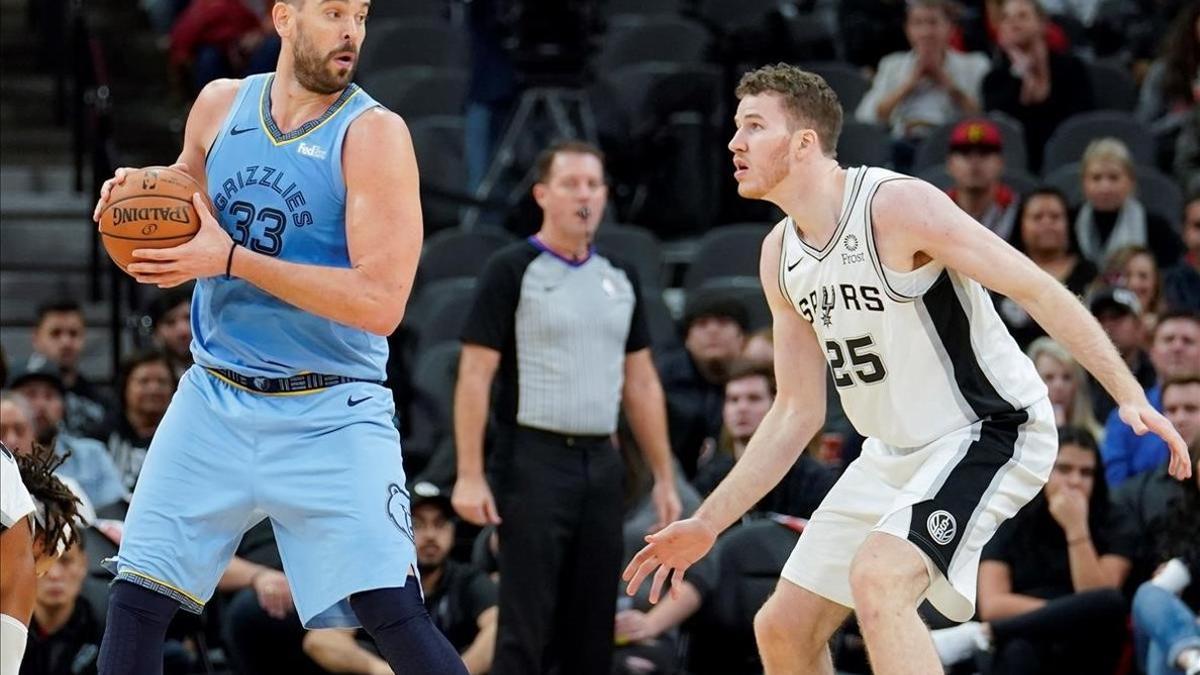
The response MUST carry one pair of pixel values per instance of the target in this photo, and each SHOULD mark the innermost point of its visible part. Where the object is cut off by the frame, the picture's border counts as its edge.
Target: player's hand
(633, 626)
(119, 179)
(472, 500)
(274, 594)
(1142, 418)
(666, 503)
(669, 553)
(205, 255)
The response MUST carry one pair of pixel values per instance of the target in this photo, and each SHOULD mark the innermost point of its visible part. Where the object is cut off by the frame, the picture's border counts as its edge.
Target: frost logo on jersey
(851, 243)
(941, 527)
(314, 151)
(827, 304)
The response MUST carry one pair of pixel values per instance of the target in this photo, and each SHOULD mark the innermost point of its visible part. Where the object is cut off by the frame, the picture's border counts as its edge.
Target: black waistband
(296, 384)
(567, 439)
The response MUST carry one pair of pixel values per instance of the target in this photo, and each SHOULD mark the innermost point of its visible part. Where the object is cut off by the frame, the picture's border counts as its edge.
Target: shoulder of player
(910, 205)
(772, 248)
(216, 98)
(378, 125)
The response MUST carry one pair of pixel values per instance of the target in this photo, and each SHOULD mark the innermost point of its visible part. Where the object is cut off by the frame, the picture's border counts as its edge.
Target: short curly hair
(807, 98)
(58, 502)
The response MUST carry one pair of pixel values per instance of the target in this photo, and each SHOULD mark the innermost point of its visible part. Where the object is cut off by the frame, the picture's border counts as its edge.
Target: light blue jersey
(281, 195)
(324, 463)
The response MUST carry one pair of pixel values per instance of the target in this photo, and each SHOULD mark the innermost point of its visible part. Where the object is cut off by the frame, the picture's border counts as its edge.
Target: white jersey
(15, 501)
(914, 355)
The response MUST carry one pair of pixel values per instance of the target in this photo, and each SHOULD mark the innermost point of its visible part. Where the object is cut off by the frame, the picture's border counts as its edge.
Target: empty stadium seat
(636, 246)
(727, 251)
(455, 253)
(864, 145)
(413, 42)
(846, 81)
(420, 92)
(663, 38)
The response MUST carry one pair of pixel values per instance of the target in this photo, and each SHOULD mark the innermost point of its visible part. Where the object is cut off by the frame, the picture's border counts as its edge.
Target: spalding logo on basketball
(152, 208)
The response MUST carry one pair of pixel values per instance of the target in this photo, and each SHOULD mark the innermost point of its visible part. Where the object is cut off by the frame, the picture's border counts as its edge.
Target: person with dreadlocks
(36, 512)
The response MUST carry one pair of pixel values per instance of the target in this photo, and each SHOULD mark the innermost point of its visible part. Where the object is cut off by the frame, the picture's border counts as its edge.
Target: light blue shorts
(324, 467)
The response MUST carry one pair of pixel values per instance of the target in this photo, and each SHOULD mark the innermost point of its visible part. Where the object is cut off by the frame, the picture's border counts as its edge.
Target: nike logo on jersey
(235, 131)
(793, 265)
(350, 400)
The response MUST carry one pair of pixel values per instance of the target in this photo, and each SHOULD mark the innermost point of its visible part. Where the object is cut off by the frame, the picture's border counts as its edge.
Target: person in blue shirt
(1174, 351)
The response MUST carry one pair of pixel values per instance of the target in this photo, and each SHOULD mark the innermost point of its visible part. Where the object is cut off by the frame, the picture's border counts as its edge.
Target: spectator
(1142, 503)
(928, 85)
(461, 599)
(59, 338)
(714, 330)
(171, 319)
(87, 460)
(1165, 609)
(1067, 385)
(65, 632)
(1167, 94)
(223, 38)
(1048, 582)
(1056, 38)
(259, 624)
(563, 326)
(145, 386)
(1181, 283)
(647, 635)
(1045, 236)
(1032, 83)
(976, 163)
(1133, 267)
(870, 30)
(749, 393)
(1187, 148)
(1119, 313)
(1111, 217)
(760, 347)
(1175, 351)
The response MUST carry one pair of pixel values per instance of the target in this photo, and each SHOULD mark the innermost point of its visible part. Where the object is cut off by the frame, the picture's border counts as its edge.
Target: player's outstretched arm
(916, 217)
(794, 417)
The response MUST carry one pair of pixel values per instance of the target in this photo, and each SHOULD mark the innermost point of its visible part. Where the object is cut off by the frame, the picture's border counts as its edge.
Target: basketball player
(881, 278)
(36, 512)
(303, 268)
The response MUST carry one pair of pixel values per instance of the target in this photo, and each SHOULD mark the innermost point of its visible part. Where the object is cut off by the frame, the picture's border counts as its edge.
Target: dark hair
(135, 361)
(741, 370)
(1082, 438)
(807, 98)
(948, 8)
(167, 301)
(1183, 313)
(1180, 380)
(1181, 57)
(1036, 526)
(59, 306)
(1017, 239)
(59, 502)
(545, 160)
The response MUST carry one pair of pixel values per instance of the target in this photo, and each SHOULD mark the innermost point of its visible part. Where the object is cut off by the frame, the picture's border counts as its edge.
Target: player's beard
(313, 69)
(769, 173)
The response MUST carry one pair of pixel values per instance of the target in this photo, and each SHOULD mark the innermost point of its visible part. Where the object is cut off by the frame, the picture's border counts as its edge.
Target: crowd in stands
(1007, 104)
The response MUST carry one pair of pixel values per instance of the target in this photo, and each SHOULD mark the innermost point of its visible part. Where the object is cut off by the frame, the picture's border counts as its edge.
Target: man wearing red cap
(976, 164)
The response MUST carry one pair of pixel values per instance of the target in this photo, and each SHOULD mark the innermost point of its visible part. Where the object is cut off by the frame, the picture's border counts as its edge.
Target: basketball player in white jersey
(881, 278)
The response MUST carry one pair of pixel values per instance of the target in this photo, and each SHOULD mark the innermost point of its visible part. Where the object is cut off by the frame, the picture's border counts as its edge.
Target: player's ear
(284, 15)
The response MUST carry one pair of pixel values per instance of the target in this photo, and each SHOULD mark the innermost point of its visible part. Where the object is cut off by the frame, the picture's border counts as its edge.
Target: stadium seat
(436, 312)
(1112, 86)
(845, 80)
(415, 42)
(455, 253)
(864, 145)
(727, 251)
(750, 558)
(438, 142)
(727, 16)
(661, 38)
(641, 8)
(664, 332)
(935, 147)
(408, 9)
(1157, 191)
(434, 378)
(420, 92)
(636, 246)
(1071, 138)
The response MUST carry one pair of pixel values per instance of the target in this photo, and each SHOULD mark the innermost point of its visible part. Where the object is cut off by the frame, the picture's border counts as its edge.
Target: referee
(564, 328)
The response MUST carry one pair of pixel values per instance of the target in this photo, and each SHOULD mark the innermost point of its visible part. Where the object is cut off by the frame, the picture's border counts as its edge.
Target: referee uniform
(563, 329)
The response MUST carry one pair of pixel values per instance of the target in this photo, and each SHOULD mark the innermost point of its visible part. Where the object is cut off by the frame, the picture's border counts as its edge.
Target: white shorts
(947, 498)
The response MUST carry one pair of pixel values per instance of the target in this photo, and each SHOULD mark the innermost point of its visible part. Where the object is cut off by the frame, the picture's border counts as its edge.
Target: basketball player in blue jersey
(303, 266)
(880, 278)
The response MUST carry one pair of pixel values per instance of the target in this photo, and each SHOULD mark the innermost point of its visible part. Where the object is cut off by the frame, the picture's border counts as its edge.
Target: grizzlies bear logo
(397, 508)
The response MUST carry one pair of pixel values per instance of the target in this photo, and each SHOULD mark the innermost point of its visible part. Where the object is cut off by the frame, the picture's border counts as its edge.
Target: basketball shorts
(324, 466)
(946, 498)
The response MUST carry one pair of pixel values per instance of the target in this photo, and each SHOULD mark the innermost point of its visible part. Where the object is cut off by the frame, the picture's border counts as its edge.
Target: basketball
(151, 209)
